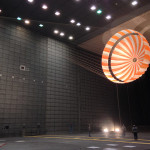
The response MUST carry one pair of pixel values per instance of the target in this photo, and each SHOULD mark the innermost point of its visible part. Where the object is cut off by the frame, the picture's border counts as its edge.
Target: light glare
(108, 17)
(71, 38)
(0, 10)
(72, 21)
(56, 31)
(117, 130)
(44, 6)
(99, 11)
(78, 24)
(57, 13)
(62, 34)
(30, 1)
(93, 8)
(87, 28)
(41, 25)
(134, 3)
(106, 130)
(27, 22)
(19, 18)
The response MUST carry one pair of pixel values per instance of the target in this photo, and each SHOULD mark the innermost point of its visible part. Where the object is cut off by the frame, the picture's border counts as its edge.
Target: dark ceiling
(69, 9)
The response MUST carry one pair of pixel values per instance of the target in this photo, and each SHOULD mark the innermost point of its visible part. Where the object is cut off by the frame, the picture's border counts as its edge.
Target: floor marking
(90, 139)
(129, 146)
(93, 147)
(112, 144)
(120, 138)
(96, 137)
(20, 141)
(110, 149)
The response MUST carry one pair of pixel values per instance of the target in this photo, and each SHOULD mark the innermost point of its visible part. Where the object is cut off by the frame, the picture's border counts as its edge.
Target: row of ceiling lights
(57, 32)
(57, 13)
(72, 21)
(108, 17)
(93, 8)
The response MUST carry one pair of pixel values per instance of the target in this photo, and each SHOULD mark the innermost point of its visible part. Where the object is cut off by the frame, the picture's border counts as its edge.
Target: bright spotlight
(27, 21)
(78, 24)
(71, 38)
(93, 7)
(117, 130)
(72, 21)
(99, 11)
(106, 130)
(62, 34)
(41, 25)
(87, 28)
(44, 6)
(56, 31)
(30, 1)
(19, 18)
(108, 17)
(57, 13)
(134, 3)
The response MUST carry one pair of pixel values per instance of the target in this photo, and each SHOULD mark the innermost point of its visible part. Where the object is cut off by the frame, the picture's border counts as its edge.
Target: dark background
(134, 101)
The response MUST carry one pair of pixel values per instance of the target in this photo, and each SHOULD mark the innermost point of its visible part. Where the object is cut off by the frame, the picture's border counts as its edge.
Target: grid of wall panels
(22, 93)
(76, 92)
(61, 88)
(62, 104)
(98, 105)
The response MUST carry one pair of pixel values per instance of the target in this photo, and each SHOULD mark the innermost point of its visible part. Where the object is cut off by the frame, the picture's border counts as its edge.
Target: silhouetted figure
(71, 128)
(135, 132)
(23, 129)
(123, 128)
(89, 129)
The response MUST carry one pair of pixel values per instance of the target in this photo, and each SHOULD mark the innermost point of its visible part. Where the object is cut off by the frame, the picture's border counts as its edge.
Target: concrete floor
(76, 142)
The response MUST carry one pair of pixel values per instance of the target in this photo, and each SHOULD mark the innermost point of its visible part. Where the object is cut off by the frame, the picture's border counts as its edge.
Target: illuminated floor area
(75, 142)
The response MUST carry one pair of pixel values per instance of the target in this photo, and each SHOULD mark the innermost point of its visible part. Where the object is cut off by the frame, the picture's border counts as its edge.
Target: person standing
(71, 128)
(135, 132)
(89, 129)
(123, 130)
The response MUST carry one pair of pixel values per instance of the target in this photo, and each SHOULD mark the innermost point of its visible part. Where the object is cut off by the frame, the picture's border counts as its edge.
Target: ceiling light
(108, 17)
(93, 8)
(56, 31)
(44, 6)
(78, 24)
(30, 1)
(41, 25)
(134, 3)
(99, 11)
(72, 21)
(77, 0)
(57, 13)
(19, 18)
(27, 21)
(70, 37)
(87, 28)
(62, 34)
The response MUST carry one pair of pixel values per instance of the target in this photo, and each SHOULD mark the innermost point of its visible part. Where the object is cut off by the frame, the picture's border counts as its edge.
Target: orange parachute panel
(127, 55)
